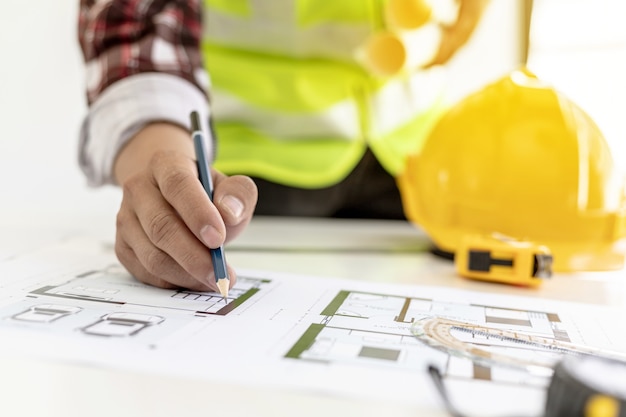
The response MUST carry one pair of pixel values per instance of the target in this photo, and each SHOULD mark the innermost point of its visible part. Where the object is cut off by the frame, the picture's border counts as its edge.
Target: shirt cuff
(125, 108)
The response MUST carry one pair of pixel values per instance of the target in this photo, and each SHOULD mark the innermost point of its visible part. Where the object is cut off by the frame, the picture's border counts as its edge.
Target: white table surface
(385, 251)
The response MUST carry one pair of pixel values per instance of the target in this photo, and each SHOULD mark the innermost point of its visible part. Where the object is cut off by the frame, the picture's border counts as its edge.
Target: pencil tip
(222, 285)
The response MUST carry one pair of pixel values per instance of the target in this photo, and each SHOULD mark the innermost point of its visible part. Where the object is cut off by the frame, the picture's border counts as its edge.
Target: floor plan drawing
(45, 313)
(121, 324)
(114, 285)
(108, 302)
(75, 303)
(368, 328)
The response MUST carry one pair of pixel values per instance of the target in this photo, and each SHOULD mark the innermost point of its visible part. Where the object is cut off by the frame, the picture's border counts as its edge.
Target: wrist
(153, 138)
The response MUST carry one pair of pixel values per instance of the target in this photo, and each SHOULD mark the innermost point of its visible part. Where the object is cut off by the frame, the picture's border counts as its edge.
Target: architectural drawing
(114, 285)
(109, 302)
(121, 324)
(75, 302)
(45, 313)
(375, 329)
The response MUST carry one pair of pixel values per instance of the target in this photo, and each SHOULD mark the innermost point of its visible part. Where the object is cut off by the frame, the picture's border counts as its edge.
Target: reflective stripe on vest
(296, 28)
(293, 107)
(341, 120)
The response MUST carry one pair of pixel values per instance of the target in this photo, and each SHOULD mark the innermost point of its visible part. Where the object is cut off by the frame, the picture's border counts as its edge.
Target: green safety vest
(290, 101)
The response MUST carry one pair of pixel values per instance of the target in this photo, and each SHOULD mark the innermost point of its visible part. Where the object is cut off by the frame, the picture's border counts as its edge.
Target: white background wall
(42, 102)
(579, 46)
(41, 105)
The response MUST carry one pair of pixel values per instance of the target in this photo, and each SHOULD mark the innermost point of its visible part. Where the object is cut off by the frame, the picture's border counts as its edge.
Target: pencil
(204, 173)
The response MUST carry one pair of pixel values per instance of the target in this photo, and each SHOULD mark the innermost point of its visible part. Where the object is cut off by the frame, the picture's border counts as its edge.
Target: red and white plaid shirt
(142, 63)
(120, 38)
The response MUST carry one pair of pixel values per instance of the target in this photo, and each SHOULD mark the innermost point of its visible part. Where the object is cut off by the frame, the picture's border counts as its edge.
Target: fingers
(132, 263)
(167, 223)
(165, 266)
(235, 197)
(160, 238)
(177, 181)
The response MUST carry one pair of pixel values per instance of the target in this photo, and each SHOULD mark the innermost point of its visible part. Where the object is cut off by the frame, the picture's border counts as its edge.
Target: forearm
(470, 13)
(456, 35)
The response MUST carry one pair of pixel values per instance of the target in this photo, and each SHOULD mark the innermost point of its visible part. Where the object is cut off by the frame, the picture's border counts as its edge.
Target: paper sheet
(72, 301)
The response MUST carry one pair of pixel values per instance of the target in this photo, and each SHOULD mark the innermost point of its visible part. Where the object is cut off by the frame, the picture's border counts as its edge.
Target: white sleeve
(125, 108)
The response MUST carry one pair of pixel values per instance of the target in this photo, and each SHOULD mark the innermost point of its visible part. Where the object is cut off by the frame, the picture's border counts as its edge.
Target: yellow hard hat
(518, 158)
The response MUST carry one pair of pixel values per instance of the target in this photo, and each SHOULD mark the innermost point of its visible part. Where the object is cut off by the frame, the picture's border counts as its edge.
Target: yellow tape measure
(499, 258)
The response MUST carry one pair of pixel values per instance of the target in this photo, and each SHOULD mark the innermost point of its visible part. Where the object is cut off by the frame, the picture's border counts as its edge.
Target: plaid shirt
(143, 63)
(120, 38)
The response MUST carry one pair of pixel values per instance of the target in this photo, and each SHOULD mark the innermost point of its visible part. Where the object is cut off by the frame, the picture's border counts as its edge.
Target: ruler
(488, 346)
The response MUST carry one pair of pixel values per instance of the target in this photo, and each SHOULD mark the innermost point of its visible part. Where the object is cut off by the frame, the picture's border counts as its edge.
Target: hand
(166, 221)
(455, 36)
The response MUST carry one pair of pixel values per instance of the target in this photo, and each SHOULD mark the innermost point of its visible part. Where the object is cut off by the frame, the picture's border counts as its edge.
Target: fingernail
(210, 236)
(233, 204)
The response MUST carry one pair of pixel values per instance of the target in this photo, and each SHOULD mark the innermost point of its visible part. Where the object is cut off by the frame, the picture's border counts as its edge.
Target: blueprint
(73, 302)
